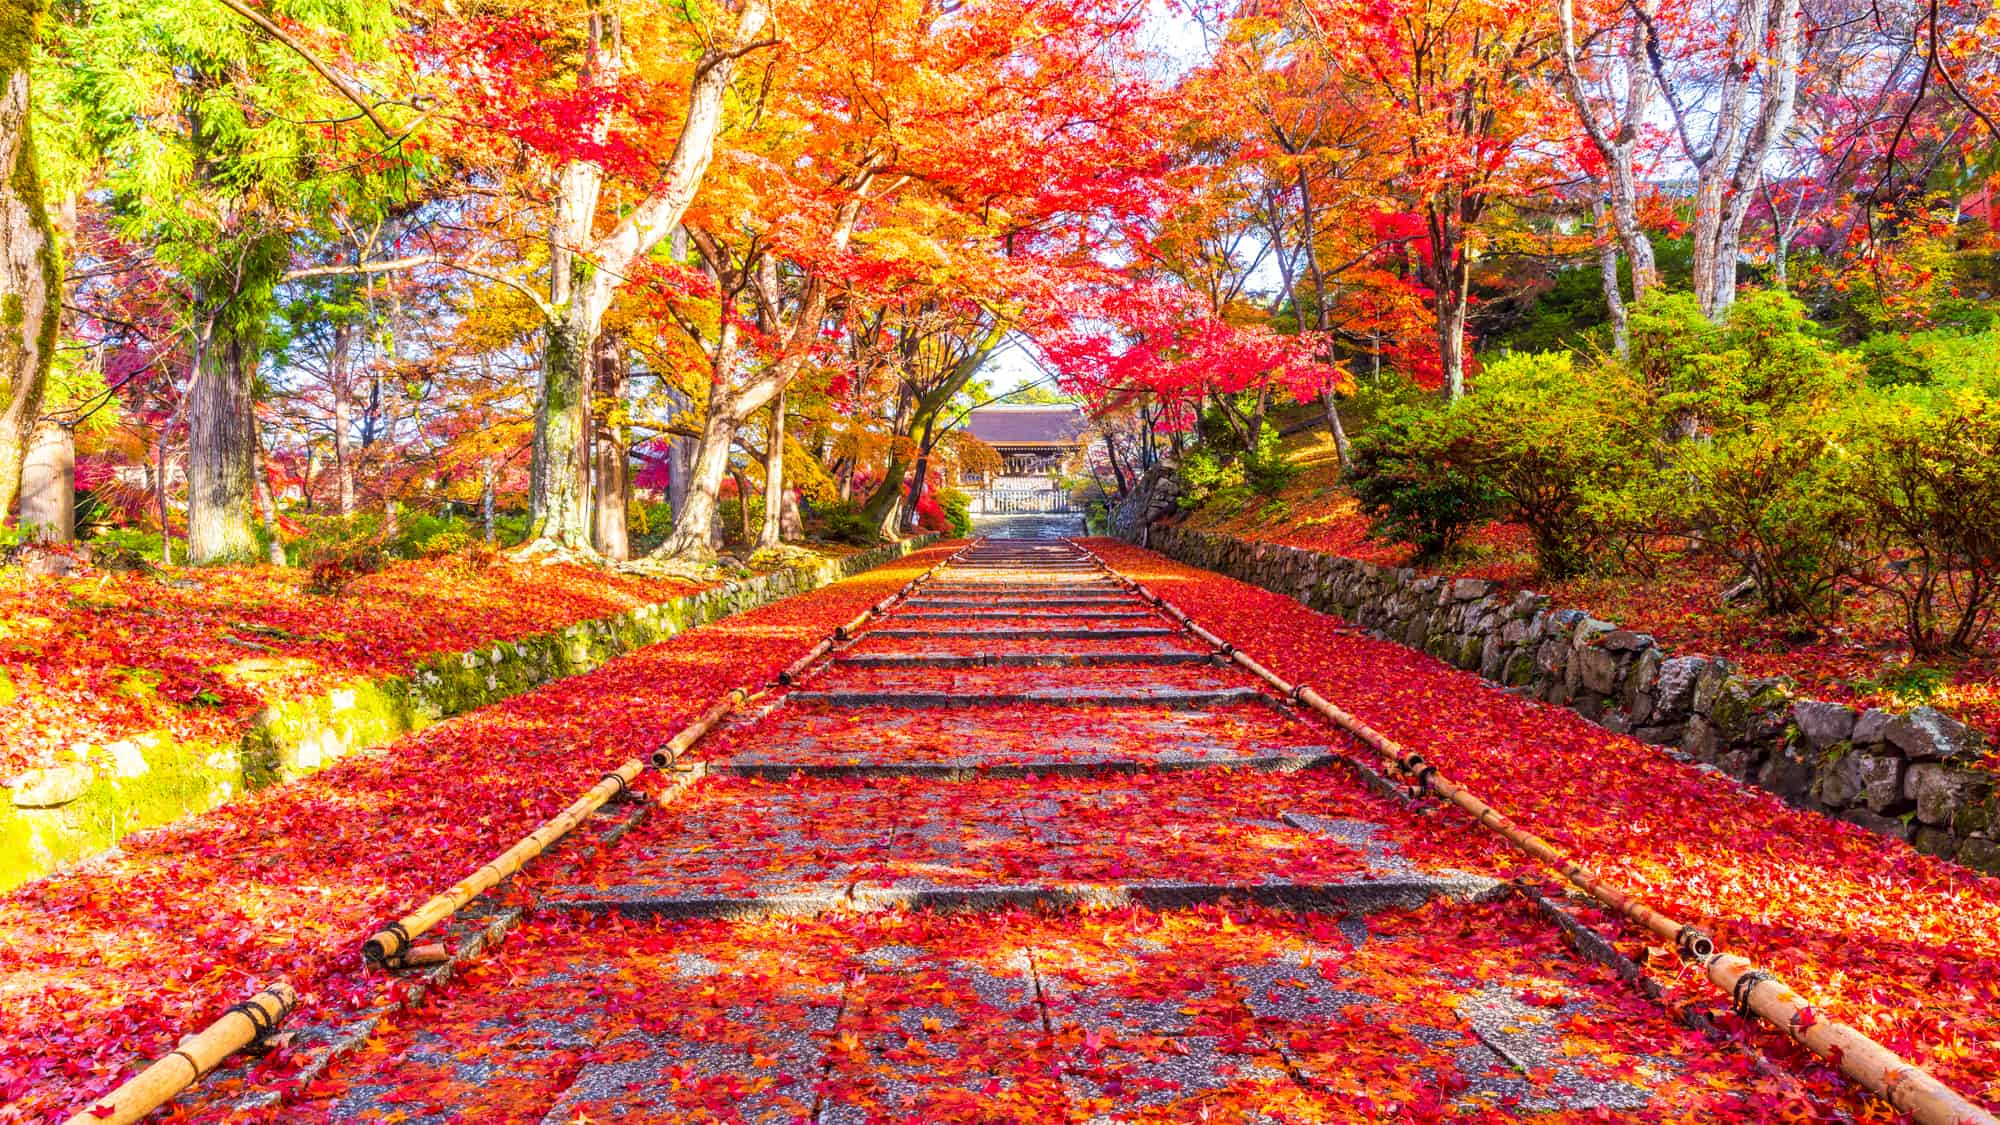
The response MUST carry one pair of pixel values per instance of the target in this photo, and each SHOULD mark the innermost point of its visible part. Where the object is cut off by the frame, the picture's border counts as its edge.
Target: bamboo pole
(153, 1087)
(388, 946)
(671, 751)
(1876, 1068)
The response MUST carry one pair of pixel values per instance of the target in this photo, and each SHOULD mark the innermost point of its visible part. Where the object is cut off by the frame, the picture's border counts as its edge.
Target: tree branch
(274, 31)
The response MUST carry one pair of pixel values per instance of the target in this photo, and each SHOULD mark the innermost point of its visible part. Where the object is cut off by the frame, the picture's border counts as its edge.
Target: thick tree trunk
(611, 483)
(220, 444)
(884, 506)
(29, 284)
(558, 489)
(772, 532)
(694, 525)
(48, 485)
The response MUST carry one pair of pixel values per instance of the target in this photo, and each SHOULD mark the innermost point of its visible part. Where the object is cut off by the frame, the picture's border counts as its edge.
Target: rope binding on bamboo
(247, 1023)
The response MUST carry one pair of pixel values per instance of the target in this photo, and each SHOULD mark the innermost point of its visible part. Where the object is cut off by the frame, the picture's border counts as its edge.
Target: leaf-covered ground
(108, 966)
(96, 657)
(1859, 659)
(1898, 944)
(910, 946)
(1444, 1013)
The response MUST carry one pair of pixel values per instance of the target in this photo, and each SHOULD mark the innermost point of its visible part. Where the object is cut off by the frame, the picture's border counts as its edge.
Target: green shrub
(1410, 495)
(1551, 445)
(845, 523)
(1221, 470)
(1205, 476)
(1929, 483)
(1778, 502)
(451, 541)
(1766, 358)
(957, 512)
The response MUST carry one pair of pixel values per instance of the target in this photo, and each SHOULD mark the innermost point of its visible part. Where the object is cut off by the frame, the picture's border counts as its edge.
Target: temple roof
(1027, 425)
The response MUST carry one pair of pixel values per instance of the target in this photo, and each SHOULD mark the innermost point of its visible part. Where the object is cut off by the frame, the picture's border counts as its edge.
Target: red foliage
(100, 657)
(1895, 943)
(115, 962)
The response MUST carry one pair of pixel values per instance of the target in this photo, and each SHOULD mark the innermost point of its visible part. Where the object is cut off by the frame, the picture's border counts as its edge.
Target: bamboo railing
(243, 1024)
(253, 1019)
(388, 945)
(1874, 1067)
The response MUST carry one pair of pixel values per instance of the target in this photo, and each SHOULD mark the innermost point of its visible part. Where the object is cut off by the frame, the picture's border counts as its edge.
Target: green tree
(213, 153)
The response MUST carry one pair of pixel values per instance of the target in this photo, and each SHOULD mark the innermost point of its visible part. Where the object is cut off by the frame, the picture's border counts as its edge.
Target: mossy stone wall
(63, 813)
(1918, 776)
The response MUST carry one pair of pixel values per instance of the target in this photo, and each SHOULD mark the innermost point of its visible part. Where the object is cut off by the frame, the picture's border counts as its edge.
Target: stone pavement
(1024, 852)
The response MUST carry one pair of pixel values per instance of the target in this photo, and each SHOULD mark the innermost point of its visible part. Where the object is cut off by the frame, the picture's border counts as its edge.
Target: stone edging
(63, 813)
(1910, 776)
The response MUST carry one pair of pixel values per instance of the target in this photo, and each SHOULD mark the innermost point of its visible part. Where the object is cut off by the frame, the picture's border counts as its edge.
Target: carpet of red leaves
(106, 967)
(1898, 944)
(96, 657)
(1105, 1015)
(1859, 659)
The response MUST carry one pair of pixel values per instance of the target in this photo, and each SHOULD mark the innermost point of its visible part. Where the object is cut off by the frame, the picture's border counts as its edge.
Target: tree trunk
(1765, 41)
(1452, 299)
(919, 478)
(30, 287)
(772, 533)
(220, 442)
(693, 536)
(267, 504)
(487, 479)
(48, 485)
(1117, 470)
(1615, 140)
(884, 506)
(343, 419)
(742, 504)
(612, 462)
(558, 490)
(1614, 299)
(1331, 402)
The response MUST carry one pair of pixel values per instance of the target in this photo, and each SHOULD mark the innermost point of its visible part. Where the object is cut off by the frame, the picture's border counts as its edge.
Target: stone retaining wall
(1911, 776)
(65, 812)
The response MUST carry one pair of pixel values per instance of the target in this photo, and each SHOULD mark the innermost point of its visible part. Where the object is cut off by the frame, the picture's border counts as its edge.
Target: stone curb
(1359, 897)
(970, 770)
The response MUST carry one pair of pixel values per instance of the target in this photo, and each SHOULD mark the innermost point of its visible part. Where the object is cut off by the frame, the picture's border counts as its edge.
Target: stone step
(1011, 679)
(1112, 1014)
(807, 733)
(1001, 634)
(1137, 695)
(1085, 658)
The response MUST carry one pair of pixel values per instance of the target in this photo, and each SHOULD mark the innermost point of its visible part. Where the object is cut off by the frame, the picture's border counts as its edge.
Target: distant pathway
(1024, 851)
